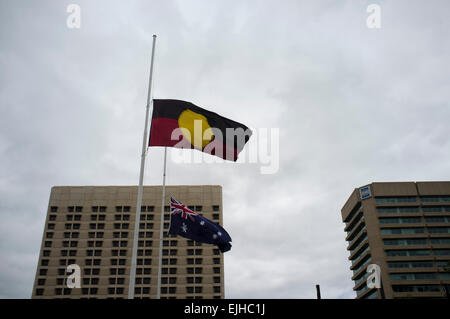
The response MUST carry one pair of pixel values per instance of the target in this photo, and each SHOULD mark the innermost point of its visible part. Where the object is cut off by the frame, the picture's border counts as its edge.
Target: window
(215, 216)
(401, 253)
(442, 198)
(406, 241)
(441, 252)
(216, 260)
(437, 219)
(52, 217)
(412, 276)
(39, 292)
(398, 210)
(395, 231)
(399, 199)
(399, 220)
(54, 209)
(410, 264)
(433, 209)
(440, 241)
(439, 230)
(216, 208)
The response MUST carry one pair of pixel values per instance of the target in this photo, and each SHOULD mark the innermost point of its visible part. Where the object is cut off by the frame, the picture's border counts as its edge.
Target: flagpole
(161, 227)
(141, 181)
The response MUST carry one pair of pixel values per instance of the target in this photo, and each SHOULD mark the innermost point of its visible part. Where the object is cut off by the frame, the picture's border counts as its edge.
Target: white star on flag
(184, 228)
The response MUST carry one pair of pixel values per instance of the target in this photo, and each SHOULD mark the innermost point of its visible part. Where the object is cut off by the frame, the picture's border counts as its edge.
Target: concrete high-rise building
(93, 227)
(404, 228)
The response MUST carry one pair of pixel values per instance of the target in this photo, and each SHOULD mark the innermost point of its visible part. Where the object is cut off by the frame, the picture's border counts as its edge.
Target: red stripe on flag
(161, 132)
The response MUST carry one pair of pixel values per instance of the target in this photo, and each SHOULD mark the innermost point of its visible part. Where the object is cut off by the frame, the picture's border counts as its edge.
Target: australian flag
(188, 224)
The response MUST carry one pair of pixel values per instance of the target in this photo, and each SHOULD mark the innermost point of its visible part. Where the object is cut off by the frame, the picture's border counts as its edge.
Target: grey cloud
(353, 106)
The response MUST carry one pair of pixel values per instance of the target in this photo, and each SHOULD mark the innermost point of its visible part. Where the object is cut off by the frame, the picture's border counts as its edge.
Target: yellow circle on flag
(195, 128)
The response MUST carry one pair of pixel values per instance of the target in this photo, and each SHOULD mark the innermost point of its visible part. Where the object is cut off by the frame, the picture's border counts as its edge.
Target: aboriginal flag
(182, 124)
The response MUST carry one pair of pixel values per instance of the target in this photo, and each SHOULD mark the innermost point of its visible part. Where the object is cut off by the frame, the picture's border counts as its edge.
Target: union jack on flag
(177, 207)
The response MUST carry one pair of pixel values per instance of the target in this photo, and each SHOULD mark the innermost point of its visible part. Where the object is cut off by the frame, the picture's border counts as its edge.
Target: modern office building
(405, 229)
(93, 227)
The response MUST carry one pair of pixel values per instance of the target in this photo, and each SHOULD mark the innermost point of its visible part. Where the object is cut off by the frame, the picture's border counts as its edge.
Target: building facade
(93, 227)
(404, 228)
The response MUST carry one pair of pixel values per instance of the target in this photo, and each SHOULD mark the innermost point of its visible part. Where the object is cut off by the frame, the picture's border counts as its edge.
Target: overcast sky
(353, 105)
